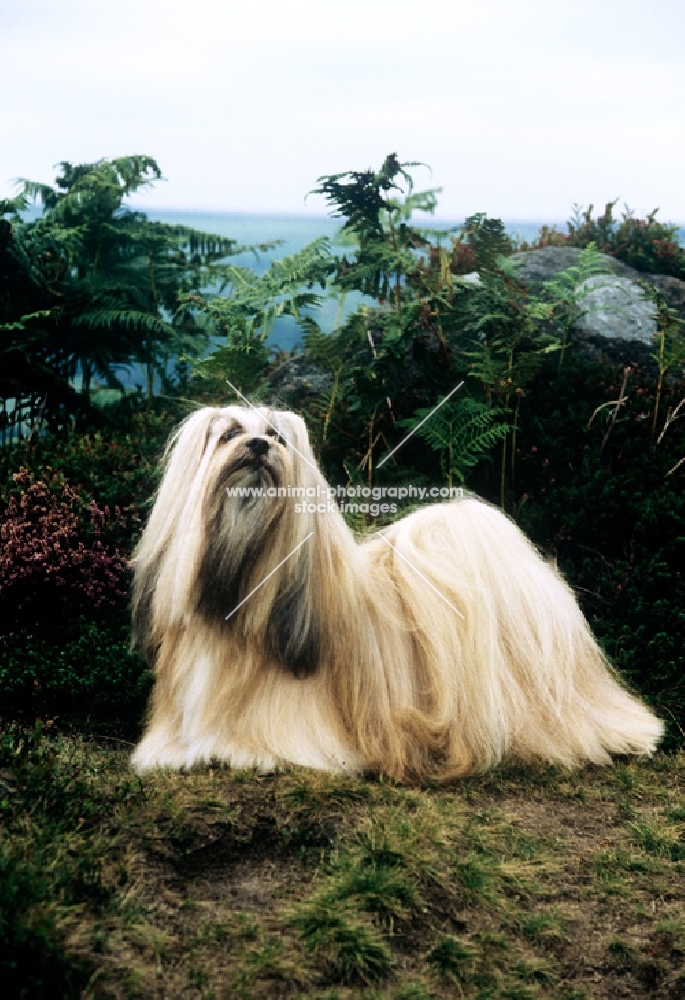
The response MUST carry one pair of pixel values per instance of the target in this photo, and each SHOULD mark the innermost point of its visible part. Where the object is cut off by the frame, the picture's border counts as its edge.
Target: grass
(520, 884)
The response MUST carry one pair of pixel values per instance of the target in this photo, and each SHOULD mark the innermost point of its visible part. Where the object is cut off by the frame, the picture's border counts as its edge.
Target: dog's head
(226, 540)
(252, 448)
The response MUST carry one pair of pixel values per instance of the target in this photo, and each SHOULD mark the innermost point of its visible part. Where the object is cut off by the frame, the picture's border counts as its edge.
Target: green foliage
(245, 313)
(350, 948)
(386, 265)
(243, 367)
(462, 432)
(364, 199)
(613, 515)
(387, 361)
(46, 878)
(81, 665)
(645, 244)
(91, 285)
(567, 291)
(488, 240)
(453, 957)
(33, 964)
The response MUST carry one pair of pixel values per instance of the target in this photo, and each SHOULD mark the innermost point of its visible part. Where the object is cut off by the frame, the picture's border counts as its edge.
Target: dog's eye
(274, 434)
(229, 435)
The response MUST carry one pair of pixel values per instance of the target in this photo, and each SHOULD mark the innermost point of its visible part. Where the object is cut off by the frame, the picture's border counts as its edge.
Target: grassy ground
(523, 883)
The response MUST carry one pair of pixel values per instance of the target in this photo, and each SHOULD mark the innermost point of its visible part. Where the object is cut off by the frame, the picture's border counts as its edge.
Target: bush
(612, 512)
(63, 596)
(56, 556)
(119, 467)
(645, 244)
(87, 666)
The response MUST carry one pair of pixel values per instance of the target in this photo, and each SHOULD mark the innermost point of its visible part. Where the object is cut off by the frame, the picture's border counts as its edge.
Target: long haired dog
(431, 649)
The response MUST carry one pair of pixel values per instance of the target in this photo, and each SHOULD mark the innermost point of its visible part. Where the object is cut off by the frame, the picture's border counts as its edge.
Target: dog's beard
(245, 539)
(236, 529)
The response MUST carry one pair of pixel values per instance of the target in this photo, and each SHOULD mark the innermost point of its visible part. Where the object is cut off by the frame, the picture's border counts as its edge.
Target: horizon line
(303, 214)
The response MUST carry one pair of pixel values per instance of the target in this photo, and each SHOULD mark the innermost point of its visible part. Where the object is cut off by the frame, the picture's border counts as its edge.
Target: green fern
(462, 432)
(248, 305)
(243, 367)
(124, 319)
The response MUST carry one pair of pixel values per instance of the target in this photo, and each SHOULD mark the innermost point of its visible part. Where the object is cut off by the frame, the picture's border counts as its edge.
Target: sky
(519, 108)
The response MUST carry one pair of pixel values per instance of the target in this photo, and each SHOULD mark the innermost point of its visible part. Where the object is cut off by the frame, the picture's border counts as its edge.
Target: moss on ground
(522, 883)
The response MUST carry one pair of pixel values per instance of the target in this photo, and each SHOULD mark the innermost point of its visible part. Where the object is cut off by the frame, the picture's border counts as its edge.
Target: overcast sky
(521, 107)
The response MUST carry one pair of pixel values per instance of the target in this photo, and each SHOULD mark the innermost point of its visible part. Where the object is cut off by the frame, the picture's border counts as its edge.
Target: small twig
(616, 403)
(676, 466)
(365, 460)
(671, 418)
(592, 593)
(675, 721)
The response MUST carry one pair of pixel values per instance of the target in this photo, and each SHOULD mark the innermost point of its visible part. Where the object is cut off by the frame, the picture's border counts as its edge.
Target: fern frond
(462, 432)
(127, 319)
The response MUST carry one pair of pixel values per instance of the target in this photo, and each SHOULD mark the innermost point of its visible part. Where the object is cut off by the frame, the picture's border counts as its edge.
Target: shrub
(56, 555)
(118, 466)
(64, 581)
(87, 665)
(645, 244)
(612, 511)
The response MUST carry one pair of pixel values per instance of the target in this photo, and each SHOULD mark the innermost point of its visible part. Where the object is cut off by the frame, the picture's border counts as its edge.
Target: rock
(537, 266)
(617, 309)
(472, 278)
(672, 289)
(618, 320)
(295, 380)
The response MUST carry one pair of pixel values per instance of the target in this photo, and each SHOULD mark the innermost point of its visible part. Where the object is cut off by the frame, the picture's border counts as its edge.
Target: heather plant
(118, 465)
(63, 600)
(56, 552)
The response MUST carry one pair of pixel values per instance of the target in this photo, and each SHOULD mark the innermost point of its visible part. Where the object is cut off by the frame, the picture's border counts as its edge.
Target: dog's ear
(294, 431)
(294, 634)
(294, 631)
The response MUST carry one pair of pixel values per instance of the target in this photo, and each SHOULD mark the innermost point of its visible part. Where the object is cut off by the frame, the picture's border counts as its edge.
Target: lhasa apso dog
(431, 649)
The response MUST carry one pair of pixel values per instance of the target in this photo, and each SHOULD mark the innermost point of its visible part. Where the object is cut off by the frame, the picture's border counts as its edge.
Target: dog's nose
(258, 446)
